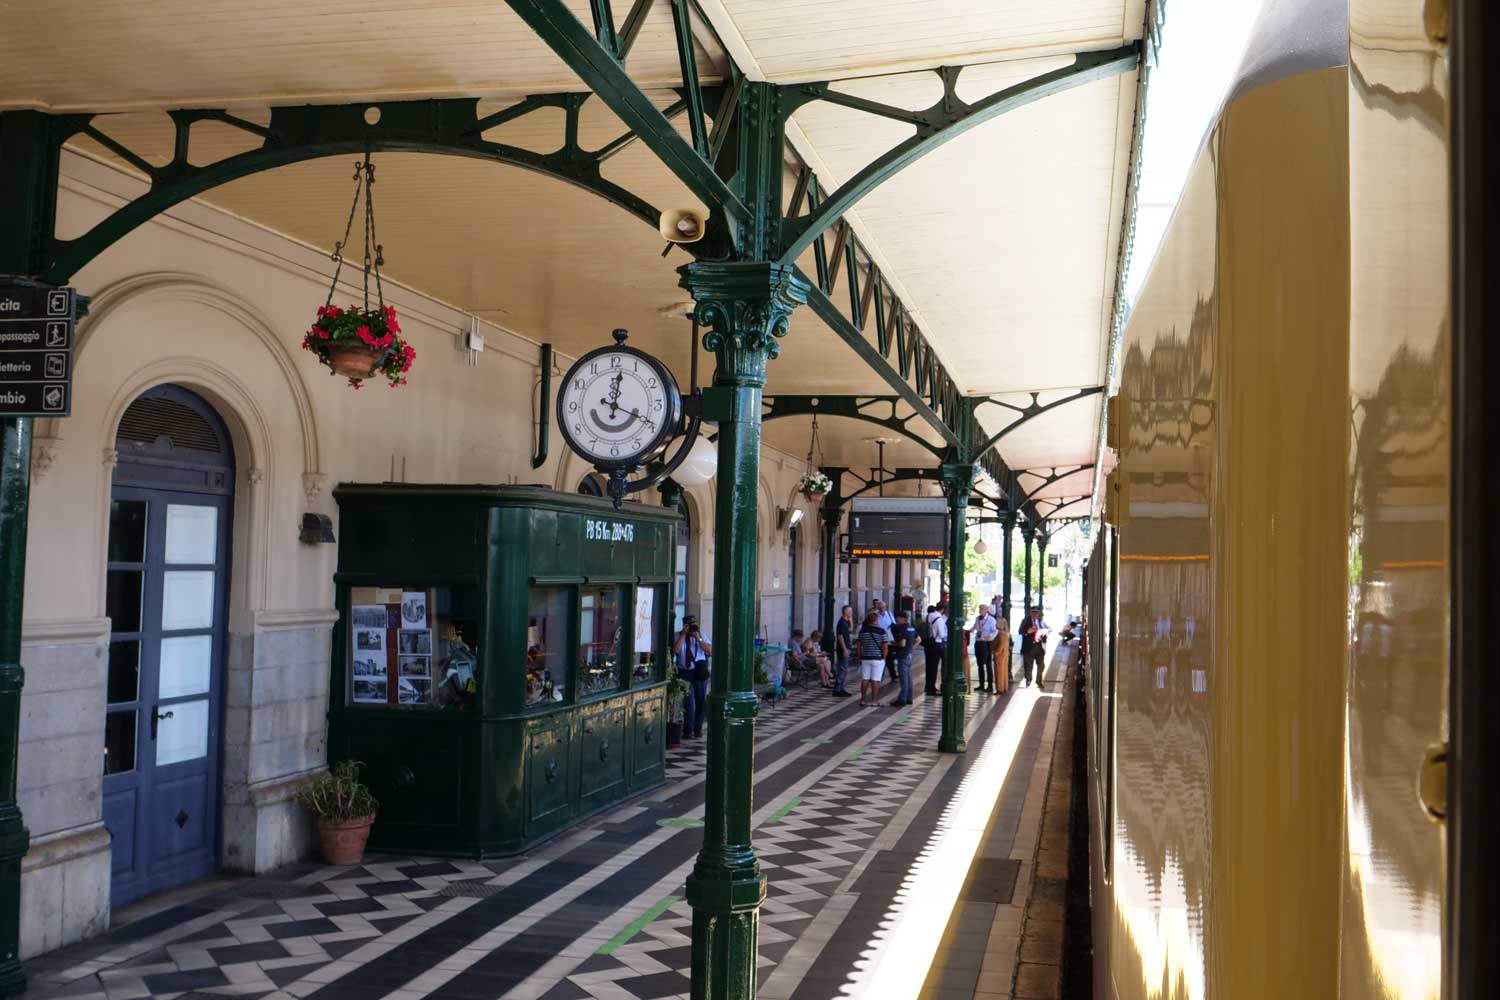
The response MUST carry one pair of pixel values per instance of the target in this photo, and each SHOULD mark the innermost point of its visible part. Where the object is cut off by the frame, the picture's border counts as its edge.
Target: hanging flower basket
(815, 486)
(360, 343)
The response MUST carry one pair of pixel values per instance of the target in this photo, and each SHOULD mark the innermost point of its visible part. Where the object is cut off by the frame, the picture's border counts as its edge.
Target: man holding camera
(690, 651)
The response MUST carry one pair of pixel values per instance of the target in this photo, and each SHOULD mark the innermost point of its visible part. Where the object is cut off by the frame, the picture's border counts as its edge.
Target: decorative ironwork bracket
(295, 134)
(883, 411)
(1029, 412)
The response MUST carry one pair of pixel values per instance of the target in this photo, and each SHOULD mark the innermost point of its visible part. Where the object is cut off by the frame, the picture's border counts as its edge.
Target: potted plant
(677, 692)
(815, 486)
(344, 810)
(359, 343)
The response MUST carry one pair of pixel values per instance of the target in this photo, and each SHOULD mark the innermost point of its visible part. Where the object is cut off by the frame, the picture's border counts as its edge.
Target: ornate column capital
(746, 307)
(958, 479)
(43, 454)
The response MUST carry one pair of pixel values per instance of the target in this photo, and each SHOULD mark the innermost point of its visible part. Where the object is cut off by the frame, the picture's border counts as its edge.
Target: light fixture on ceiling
(980, 547)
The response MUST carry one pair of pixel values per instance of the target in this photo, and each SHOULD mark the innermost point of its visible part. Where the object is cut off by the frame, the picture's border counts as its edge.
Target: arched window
(590, 485)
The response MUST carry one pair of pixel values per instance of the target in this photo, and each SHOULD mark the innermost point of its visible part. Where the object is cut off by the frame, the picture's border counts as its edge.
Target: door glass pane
(124, 671)
(183, 735)
(185, 661)
(127, 531)
(122, 599)
(192, 534)
(119, 742)
(187, 599)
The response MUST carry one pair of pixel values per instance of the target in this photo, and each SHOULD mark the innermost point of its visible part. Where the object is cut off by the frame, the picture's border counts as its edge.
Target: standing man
(843, 650)
(874, 644)
(937, 639)
(985, 633)
(906, 643)
(887, 621)
(690, 652)
(1033, 645)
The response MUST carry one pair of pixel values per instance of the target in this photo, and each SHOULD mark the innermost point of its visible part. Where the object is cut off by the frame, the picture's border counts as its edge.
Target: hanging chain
(364, 183)
(814, 445)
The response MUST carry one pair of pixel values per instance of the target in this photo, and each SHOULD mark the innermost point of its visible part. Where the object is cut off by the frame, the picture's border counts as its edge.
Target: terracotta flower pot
(343, 841)
(353, 360)
(813, 496)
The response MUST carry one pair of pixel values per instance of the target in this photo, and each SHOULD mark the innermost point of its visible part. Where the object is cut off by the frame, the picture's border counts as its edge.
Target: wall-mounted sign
(36, 350)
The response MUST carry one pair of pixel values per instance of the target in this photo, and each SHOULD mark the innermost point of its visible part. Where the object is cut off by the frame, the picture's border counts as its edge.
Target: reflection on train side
(1399, 467)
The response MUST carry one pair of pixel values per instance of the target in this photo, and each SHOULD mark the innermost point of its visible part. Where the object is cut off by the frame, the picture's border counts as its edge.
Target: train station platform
(888, 864)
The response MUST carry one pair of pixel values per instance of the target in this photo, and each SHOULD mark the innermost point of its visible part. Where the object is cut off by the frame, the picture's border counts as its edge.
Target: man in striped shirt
(873, 645)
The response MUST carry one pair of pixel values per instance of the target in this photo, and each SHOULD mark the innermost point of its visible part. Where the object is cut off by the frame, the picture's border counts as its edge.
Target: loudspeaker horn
(683, 225)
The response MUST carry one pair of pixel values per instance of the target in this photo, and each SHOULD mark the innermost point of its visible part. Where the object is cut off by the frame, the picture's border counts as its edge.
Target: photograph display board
(390, 647)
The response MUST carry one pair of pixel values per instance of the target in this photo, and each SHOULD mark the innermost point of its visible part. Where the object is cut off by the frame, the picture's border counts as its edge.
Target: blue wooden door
(166, 593)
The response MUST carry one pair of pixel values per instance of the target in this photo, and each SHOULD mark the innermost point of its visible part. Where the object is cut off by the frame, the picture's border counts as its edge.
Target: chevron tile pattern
(598, 913)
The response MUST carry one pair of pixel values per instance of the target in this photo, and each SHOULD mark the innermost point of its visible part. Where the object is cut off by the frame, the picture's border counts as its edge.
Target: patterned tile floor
(846, 799)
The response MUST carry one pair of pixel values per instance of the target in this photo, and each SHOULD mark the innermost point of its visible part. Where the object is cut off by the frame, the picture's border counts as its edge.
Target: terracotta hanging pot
(343, 842)
(353, 360)
(813, 496)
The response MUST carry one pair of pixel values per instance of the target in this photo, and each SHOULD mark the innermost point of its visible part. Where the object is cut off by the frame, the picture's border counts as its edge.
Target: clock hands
(613, 401)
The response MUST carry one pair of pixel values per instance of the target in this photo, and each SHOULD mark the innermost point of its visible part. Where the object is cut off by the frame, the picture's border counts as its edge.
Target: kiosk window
(650, 608)
(414, 647)
(548, 621)
(599, 635)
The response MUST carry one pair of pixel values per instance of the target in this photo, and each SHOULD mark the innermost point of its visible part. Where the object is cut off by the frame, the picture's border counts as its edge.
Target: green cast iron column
(15, 473)
(1027, 534)
(744, 307)
(958, 482)
(28, 205)
(832, 512)
(1008, 525)
(1041, 566)
(827, 617)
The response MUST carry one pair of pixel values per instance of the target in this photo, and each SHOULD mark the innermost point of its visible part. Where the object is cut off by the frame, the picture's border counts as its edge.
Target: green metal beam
(295, 134)
(634, 21)
(946, 120)
(870, 355)
(882, 411)
(602, 73)
(1029, 412)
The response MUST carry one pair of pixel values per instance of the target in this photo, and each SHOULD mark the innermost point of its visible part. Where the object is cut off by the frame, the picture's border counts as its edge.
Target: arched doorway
(166, 593)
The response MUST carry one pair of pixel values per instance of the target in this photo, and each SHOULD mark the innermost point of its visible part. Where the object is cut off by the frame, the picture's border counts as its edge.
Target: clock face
(617, 406)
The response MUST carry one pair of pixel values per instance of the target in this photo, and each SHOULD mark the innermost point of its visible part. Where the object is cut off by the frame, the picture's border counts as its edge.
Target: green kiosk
(498, 665)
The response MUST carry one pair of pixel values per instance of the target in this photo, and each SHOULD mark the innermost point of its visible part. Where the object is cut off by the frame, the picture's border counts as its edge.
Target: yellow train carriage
(1269, 601)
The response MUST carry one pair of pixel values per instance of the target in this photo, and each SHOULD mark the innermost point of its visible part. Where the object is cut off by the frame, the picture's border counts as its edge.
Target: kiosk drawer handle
(551, 770)
(604, 749)
(650, 734)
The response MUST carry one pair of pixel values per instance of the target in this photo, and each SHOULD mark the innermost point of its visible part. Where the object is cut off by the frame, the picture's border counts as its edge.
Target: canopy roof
(1003, 245)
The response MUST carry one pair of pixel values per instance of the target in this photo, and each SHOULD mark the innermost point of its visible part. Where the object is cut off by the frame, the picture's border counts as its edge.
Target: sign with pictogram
(36, 350)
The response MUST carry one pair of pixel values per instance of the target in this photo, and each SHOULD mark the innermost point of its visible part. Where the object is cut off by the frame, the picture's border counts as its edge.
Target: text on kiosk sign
(598, 530)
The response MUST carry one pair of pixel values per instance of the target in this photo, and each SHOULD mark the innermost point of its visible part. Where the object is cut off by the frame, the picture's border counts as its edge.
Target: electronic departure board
(898, 527)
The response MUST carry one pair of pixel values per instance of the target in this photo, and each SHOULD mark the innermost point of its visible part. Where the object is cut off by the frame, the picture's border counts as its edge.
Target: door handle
(156, 717)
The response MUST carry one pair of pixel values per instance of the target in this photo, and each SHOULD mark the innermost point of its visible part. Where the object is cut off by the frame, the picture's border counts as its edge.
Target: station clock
(618, 406)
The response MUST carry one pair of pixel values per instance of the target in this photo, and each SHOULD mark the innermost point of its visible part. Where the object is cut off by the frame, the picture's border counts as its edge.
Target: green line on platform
(905, 717)
(685, 823)
(857, 752)
(780, 814)
(634, 927)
